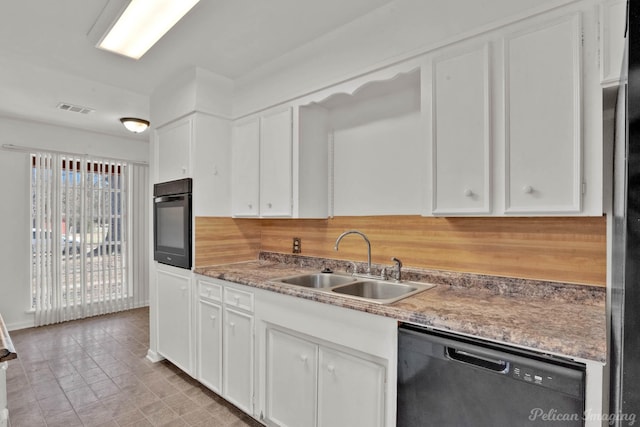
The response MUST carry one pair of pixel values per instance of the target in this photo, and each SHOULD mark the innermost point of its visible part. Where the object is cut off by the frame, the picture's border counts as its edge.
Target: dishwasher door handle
(495, 365)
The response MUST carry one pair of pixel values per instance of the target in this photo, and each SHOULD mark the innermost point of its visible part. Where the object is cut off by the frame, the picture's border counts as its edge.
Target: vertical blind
(89, 239)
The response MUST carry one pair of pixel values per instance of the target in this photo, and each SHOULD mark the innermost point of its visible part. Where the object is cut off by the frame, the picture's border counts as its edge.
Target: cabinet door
(174, 151)
(291, 380)
(276, 164)
(350, 390)
(613, 15)
(174, 319)
(210, 345)
(460, 118)
(245, 169)
(3, 393)
(238, 359)
(543, 119)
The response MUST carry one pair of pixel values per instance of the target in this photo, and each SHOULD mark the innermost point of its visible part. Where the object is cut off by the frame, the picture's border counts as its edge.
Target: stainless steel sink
(317, 280)
(370, 290)
(375, 289)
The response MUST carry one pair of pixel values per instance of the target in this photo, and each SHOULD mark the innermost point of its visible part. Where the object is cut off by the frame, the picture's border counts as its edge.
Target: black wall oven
(172, 223)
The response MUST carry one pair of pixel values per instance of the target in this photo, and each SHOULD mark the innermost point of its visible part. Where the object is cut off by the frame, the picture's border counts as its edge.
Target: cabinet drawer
(210, 291)
(239, 299)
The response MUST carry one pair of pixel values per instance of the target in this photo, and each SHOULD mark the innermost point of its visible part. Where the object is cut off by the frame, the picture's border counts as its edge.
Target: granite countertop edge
(566, 320)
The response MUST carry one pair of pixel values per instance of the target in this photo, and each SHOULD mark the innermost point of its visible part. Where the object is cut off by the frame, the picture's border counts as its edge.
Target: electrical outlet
(297, 248)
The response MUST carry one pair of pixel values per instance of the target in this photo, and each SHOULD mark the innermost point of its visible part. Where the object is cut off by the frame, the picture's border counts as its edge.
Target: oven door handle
(167, 199)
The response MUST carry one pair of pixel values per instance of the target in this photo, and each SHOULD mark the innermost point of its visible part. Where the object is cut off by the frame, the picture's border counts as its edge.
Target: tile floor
(93, 372)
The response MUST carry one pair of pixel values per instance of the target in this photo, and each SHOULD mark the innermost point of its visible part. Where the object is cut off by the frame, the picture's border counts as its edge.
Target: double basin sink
(366, 289)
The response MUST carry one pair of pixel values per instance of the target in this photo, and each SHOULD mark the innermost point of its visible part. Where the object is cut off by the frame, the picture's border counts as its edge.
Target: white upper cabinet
(543, 119)
(245, 169)
(279, 165)
(459, 89)
(262, 166)
(197, 146)
(612, 28)
(174, 150)
(275, 164)
(508, 122)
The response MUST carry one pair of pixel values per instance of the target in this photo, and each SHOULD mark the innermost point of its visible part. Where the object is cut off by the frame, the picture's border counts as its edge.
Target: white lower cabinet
(284, 360)
(238, 359)
(174, 318)
(350, 390)
(291, 380)
(4, 412)
(311, 384)
(225, 341)
(210, 345)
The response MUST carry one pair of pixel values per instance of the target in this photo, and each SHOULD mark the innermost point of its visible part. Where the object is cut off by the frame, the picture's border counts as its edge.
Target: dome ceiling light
(135, 125)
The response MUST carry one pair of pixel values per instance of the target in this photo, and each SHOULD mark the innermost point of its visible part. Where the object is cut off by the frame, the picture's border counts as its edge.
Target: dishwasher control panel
(546, 378)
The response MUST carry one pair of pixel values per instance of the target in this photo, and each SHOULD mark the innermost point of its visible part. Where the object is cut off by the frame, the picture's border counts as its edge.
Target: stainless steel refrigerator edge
(624, 352)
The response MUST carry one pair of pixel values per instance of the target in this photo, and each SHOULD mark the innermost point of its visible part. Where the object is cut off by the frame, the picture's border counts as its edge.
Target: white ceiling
(47, 57)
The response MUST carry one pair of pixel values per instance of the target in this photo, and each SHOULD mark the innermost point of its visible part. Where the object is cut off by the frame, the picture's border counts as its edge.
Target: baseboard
(20, 325)
(153, 356)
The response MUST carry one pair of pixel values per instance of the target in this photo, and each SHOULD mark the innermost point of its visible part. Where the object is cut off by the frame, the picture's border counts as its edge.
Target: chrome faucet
(398, 269)
(361, 234)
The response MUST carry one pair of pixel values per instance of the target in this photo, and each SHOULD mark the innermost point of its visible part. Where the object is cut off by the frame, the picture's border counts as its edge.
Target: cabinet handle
(250, 206)
(237, 299)
(331, 369)
(303, 358)
(269, 205)
(527, 189)
(468, 192)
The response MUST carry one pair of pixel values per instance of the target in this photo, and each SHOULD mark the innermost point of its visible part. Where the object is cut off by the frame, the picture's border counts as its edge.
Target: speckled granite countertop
(561, 319)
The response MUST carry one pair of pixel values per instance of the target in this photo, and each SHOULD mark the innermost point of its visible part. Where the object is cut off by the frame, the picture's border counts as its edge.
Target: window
(80, 237)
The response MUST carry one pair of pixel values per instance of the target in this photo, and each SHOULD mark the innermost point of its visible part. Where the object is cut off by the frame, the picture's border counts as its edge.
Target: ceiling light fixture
(135, 125)
(142, 24)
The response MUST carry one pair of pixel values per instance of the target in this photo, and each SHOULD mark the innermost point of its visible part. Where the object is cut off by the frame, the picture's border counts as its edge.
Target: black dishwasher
(447, 380)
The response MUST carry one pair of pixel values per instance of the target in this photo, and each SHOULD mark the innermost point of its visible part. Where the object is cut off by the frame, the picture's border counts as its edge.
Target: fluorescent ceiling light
(142, 24)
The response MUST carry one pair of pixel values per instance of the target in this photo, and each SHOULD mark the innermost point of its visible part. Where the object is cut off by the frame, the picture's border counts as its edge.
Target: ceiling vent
(74, 108)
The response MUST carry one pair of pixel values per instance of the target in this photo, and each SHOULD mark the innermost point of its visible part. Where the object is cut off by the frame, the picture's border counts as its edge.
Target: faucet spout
(366, 239)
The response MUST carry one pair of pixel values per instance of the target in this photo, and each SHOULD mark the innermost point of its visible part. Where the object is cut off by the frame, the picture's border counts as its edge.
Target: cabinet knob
(212, 317)
(236, 298)
(303, 358)
(232, 325)
(183, 289)
(331, 369)
(527, 189)
(468, 192)
(269, 205)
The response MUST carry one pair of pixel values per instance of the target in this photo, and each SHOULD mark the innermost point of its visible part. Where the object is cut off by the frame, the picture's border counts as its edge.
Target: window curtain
(89, 236)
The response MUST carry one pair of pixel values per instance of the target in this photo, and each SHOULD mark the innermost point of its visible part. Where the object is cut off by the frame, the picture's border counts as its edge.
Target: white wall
(392, 33)
(194, 90)
(14, 210)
